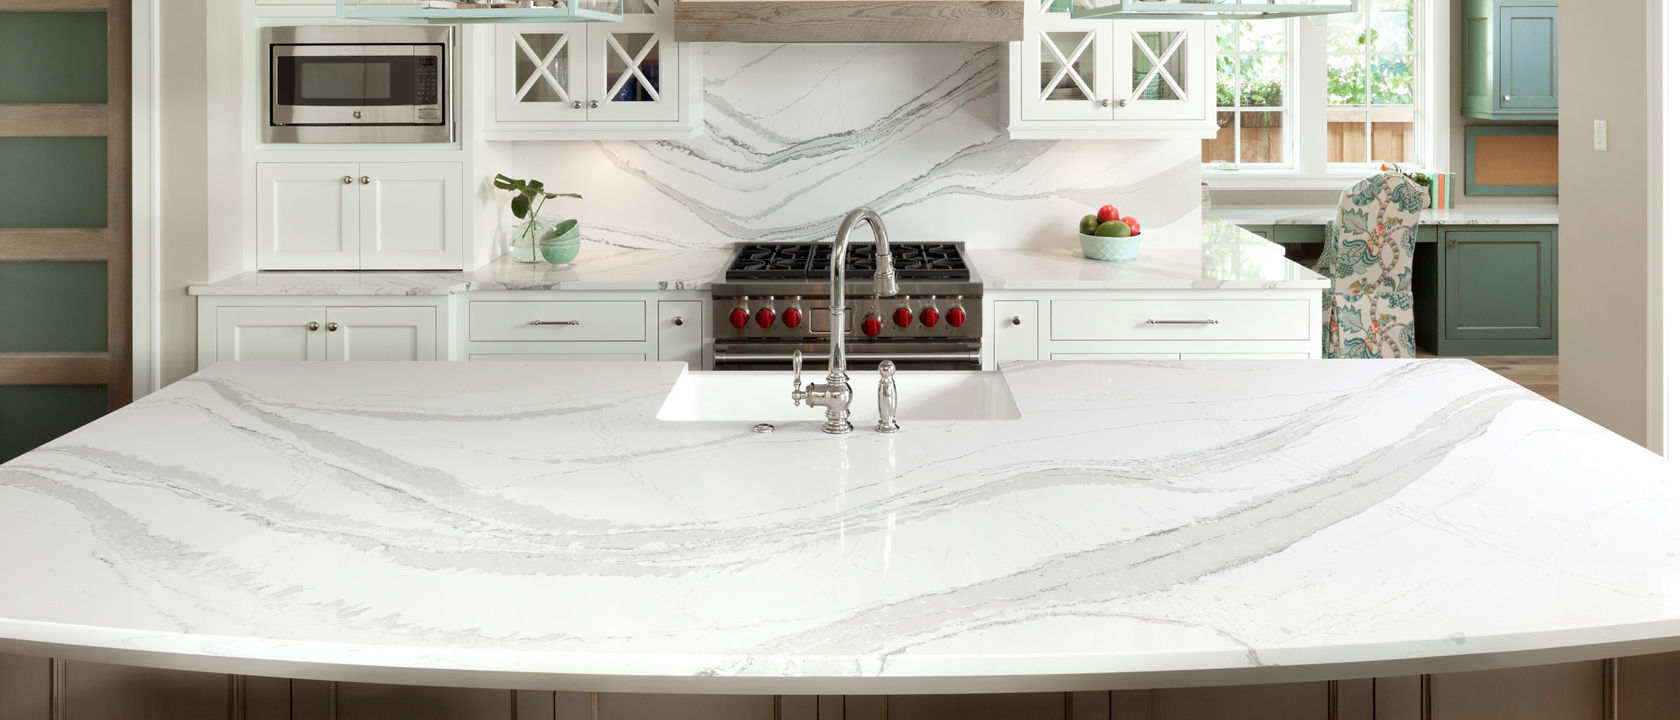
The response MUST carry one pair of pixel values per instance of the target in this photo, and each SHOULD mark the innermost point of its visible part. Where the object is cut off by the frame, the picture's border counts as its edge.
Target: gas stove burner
(807, 261)
(767, 261)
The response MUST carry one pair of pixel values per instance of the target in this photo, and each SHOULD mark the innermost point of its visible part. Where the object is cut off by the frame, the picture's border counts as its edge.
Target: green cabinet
(1510, 59)
(1494, 291)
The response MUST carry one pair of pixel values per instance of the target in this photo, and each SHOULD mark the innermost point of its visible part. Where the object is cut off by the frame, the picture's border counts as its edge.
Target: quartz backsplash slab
(797, 135)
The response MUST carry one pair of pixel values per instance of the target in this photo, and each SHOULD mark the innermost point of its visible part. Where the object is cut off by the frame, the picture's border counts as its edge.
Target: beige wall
(1602, 247)
(182, 182)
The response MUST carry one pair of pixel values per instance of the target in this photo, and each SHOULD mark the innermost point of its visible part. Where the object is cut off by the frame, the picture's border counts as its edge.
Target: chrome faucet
(836, 394)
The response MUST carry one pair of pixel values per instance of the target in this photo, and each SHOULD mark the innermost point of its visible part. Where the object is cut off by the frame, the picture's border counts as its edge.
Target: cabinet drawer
(566, 321)
(1179, 320)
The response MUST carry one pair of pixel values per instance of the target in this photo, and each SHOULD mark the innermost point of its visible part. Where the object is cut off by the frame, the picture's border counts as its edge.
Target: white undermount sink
(756, 397)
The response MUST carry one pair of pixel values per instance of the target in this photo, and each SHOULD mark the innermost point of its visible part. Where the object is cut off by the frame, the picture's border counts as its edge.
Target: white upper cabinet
(627, 80)
(359, 216)
(1122, 79)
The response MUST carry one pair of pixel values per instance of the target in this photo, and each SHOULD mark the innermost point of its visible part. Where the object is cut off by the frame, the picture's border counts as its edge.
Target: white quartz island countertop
(1141, 524)
(596, 268)
(1223, 256)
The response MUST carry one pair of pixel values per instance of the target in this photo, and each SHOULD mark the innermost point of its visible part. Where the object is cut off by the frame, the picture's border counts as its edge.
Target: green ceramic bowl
(561, 250)
(1110, 249)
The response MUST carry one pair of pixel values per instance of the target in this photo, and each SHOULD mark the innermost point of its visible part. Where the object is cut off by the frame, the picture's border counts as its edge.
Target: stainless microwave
(358, 84)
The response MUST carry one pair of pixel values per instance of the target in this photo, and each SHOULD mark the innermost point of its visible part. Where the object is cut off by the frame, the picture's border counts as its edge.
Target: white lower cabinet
(348, 216)
(682, 337)
(1014, 330)
(585, 326)
(232, 329)
(1154, 325)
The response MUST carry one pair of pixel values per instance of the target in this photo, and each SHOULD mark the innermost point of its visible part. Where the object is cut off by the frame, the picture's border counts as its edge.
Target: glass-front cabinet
(1110, 78)
(623, 80)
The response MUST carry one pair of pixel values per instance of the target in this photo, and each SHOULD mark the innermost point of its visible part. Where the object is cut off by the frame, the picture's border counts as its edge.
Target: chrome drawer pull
(1182, 322)
(556, 322)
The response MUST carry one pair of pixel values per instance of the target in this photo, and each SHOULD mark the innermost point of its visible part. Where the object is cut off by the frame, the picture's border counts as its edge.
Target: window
(1371, 83)
(1253, 115)
(1275, 116)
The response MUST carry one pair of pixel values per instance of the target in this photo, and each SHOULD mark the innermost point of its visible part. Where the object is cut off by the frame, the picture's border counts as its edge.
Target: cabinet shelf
(572, 11)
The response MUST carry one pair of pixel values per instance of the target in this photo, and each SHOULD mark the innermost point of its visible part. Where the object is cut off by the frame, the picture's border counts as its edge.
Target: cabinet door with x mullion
(1067, 65)
(1159, 65)
(633, 66)
(542, 72)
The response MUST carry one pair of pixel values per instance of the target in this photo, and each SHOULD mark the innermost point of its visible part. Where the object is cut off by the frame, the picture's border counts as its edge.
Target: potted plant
(535, 240)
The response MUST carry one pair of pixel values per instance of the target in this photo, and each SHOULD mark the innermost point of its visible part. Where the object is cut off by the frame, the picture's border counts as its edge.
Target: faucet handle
(887, 369)
(798, 384)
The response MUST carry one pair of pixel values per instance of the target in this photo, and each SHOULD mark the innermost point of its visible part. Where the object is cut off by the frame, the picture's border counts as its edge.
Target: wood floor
(1538, 373)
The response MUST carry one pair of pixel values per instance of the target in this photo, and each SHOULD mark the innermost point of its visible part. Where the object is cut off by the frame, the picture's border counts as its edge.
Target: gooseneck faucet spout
(836, 394)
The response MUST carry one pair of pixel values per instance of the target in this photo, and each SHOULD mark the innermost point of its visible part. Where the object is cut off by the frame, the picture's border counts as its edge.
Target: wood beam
(54, 119)
(70, 244)
(54, 368)
(54, 5)
(779, 21)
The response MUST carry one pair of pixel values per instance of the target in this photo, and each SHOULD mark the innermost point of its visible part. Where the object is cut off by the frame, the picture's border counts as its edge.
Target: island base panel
(1636, 688)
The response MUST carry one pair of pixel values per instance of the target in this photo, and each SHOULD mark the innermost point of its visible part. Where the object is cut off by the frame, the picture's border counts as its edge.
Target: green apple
(1088, 225)
(1114, 229)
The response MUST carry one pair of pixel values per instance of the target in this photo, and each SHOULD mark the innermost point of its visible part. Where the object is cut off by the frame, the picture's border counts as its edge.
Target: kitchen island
(1141, 525)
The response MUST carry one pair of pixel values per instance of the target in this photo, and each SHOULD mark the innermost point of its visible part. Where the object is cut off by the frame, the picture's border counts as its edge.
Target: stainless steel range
(774, 299)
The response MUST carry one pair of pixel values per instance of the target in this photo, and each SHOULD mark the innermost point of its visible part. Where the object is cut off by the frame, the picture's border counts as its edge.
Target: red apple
(1107, 213)
(1132, 223)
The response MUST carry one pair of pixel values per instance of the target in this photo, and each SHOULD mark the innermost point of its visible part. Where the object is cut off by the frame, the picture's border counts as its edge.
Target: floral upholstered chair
(1368, 252)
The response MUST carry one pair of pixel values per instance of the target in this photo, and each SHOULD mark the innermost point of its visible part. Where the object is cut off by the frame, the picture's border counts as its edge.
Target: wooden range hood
(831, 21)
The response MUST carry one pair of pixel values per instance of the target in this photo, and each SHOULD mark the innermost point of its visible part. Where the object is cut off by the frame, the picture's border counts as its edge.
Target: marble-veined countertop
(1225, 256)
(532, 525)
(1479, 214)
(1213, 255)
(596, 268)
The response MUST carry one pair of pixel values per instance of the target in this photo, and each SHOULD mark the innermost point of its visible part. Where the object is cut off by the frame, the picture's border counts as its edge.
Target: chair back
(1368, 247)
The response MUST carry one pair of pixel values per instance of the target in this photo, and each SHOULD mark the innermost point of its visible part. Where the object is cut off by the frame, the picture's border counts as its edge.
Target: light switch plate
(1601, 135)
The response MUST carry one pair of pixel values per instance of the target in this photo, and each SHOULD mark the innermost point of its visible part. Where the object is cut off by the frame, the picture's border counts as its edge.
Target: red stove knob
(872, 325)
(902, 317)
(738, 318)
(791, 317)
(930, 317)
(956, 316)
(766, 318)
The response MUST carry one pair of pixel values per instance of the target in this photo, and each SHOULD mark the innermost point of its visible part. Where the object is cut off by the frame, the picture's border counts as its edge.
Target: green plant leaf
(570, 195)
(521, 205)
(534, 184)
(504, 182)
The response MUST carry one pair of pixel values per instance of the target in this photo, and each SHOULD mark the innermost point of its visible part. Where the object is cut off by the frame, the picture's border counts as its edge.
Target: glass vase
(528, 236)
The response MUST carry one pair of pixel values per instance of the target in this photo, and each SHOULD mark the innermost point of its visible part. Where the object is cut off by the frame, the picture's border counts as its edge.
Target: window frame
(1310, 168)
(1291, 97)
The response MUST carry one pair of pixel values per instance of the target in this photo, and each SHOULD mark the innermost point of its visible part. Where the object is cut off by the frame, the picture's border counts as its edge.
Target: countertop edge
(1221, 667)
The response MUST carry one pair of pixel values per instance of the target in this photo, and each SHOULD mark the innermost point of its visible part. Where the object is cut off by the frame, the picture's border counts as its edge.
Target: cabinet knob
(314, 326)
(332, 327)
(1015, 320)
(1122, 102)
(1105, 102)
(366, 180)
(577, 104)
(1507, 98)
(678, 321)
(594, 104)
(348, 179)
(1454, 243)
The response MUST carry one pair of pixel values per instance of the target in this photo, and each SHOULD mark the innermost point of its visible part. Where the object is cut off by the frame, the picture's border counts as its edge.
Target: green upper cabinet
(1511, 59)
